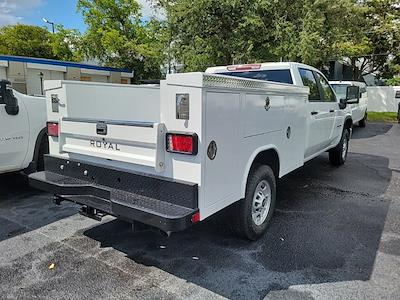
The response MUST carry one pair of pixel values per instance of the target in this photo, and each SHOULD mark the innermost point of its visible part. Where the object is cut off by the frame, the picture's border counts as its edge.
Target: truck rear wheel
(338, 155)
(252, 214)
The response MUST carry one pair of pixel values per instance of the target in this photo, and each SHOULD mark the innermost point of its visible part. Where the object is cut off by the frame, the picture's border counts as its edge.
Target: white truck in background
(23, 137)
(172, 155)
(359, 109)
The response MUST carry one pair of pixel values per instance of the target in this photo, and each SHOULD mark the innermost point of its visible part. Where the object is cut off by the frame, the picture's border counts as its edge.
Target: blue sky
(57, 11)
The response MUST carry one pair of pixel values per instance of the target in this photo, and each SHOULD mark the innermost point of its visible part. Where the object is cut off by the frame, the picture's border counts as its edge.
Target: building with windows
(27, 74)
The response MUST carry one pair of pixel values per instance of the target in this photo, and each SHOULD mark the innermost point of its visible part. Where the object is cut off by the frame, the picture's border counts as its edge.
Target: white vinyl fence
(383, 98)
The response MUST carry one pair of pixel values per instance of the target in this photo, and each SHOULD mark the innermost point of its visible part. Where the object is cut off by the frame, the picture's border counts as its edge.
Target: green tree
(213, 32)
(323, 28)
(26, 40)
(34, 41)
(395, 81)
(374, 39)
(117, 36)
(66, 44)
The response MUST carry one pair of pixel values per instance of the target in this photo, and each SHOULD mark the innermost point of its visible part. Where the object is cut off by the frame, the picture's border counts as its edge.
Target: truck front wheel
(253, 213)
(363, 122)
(338, 155)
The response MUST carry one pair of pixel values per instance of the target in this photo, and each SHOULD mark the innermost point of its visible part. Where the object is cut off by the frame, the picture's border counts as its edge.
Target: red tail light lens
(244, 67)
(182, 143)
(52, 129)
(196, 218)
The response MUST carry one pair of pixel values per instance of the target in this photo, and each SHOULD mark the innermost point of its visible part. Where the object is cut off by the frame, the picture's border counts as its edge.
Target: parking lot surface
(335, 235)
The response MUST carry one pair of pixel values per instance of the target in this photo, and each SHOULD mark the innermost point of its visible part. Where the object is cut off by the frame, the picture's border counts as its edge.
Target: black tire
(241, 213)
(338, 155)
(44, 149)
(362, 123)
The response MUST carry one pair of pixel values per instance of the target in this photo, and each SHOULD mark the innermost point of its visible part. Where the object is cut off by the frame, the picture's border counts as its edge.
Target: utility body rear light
(196, 218)
(52, 129)
(184, 143)
(244, 67)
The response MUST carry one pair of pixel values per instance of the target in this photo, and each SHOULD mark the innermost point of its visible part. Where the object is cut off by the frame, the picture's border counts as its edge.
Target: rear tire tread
(240, 213)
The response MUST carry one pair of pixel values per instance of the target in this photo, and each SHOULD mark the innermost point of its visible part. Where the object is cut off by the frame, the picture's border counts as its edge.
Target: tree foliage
(26, 40)
(212, 32)
(395, 81)
(35, 41)
(117, 36)
(203, 33)
(373, 43)
(220, 32)
(66, 44)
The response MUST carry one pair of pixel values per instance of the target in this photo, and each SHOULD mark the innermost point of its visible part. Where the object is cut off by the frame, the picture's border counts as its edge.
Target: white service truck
(172, 155)
(359, 108)
(23, 137)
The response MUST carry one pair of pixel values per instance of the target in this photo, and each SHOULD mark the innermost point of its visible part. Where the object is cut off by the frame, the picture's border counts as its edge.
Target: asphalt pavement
(335, 235)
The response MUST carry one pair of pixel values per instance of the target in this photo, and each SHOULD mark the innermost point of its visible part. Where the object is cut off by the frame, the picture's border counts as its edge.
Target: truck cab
(23, 139)
(173, 155)
(324, 116)
(359, 108)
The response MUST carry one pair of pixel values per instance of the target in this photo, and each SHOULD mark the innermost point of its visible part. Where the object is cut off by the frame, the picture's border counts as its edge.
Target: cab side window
(326, 90)
(309, 80)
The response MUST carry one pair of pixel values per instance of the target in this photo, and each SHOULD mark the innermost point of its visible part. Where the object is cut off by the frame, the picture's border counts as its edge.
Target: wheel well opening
(268, 157)
(41, 139)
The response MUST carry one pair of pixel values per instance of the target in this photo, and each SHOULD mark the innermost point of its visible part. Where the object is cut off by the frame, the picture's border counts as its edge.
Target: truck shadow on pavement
(32, 208)
(374, 129)
(326, 228)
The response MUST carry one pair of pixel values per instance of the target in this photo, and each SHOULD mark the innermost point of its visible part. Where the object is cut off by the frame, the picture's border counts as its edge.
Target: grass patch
(382, 116)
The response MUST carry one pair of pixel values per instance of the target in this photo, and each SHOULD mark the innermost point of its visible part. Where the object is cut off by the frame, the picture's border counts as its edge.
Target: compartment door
(223, 126)
(262, 113)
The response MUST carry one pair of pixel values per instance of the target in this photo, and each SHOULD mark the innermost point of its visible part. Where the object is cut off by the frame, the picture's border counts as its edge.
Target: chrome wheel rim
(344, 149)
(261, 202)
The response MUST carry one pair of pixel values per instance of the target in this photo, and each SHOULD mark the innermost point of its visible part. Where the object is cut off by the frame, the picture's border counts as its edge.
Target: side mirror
(353, 94)
(6, 93)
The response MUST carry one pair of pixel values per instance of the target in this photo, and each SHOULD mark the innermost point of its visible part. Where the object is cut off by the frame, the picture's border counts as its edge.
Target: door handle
(332, 110)
(314, 113)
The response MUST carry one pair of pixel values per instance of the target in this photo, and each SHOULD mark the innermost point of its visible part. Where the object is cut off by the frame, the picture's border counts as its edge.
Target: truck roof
(258, 67)
(348, 82)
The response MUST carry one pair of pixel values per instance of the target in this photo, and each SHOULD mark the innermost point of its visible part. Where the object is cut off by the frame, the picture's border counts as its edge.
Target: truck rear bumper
(161, 202)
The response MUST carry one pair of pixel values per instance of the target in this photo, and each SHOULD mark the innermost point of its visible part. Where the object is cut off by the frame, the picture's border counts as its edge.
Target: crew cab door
(14, 138)
(358, 109)
(321, 112)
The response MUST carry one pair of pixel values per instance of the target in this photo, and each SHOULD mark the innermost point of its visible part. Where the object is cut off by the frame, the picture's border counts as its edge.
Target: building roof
(61, 63)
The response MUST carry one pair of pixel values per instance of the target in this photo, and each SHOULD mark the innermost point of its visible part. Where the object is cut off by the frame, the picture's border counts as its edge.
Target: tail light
(52, 129)
(196, 218)
(182, 143)
(244, 67)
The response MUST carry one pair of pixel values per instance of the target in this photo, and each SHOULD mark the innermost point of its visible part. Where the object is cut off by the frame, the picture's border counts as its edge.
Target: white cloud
(13, 11)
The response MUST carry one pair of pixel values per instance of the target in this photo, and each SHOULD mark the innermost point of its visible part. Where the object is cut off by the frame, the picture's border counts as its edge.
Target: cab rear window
(282, 76)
